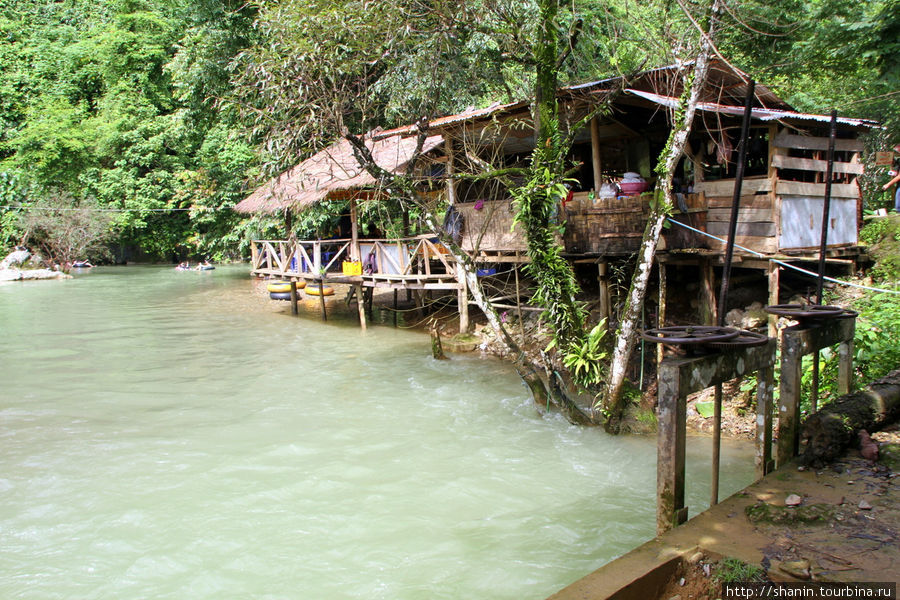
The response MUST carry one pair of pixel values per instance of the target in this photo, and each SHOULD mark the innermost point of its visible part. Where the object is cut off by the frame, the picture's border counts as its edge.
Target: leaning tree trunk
(612, 402)
(835, 426)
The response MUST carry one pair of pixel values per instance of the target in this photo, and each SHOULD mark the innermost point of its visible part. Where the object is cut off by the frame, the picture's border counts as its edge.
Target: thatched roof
(334, 169)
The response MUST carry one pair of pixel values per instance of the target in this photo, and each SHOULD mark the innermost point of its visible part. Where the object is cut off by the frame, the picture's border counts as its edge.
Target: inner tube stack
(281, 290)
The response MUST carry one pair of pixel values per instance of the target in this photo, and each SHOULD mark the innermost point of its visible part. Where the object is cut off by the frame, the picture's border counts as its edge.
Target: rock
(695, 558)
(795, 568)
(863, 505)
(793, 500)
(10, 275)
(676, 597)
(14, 259)
(734, 317)
(867, 448)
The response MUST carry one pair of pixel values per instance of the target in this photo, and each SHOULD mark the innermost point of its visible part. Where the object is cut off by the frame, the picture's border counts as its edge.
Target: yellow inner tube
(283, 286)
(313, 290)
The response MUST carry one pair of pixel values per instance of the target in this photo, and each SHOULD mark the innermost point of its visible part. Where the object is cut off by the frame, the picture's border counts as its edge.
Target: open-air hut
(334, 174)
(782, 194)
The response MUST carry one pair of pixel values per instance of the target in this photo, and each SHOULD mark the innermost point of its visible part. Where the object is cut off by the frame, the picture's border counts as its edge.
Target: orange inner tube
(314, 290)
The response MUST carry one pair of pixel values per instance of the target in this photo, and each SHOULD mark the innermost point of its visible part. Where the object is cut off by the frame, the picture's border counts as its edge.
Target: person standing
(894, 181)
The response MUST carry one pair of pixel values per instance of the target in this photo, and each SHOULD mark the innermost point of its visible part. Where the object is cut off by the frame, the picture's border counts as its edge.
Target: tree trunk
(626, 336)
(830, 431)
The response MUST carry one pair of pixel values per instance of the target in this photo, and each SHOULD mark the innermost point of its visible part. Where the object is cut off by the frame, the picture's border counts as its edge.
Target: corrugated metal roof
(333, 169)
(467, 115)
(760, 114)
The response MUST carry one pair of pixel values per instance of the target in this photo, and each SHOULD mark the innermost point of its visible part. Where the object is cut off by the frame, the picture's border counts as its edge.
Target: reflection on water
(177, 435)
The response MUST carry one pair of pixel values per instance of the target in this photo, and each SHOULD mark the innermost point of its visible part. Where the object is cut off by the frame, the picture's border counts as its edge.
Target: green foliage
(883, 237)
(585, 360)
(116, 100)
(66, 229)
(734, 570)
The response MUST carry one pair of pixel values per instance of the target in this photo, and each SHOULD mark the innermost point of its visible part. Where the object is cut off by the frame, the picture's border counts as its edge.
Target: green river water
(177, 435)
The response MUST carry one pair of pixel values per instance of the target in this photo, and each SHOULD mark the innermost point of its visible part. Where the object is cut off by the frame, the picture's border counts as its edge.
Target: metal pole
(726, 276)
(735, 204)
(820, 282)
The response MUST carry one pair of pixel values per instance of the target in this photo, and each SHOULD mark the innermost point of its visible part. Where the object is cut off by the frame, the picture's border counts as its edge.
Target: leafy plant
(733, 570)
(585, 359)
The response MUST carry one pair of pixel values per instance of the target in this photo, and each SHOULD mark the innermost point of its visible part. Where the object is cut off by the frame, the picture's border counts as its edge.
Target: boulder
(14, 259)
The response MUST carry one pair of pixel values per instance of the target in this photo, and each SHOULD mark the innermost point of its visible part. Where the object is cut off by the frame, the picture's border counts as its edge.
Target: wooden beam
(799, 188)
(746, 202)
(759, 229)
(725, 187)
(744, 215)
(803, 142)
(707, 292)
(810, 164)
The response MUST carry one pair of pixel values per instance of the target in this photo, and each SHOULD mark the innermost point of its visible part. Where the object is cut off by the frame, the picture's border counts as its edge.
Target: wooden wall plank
(804, 142)
(744, 214)
(725, 187)
(767, 245)
(746, 202)
(799, 188)
(720, 228)
(809, 164)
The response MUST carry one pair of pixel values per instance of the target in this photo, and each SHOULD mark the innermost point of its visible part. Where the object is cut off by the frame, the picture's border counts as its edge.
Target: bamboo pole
(294, 309)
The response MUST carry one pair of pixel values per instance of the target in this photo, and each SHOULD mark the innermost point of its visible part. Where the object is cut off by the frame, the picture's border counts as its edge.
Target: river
(176, 435)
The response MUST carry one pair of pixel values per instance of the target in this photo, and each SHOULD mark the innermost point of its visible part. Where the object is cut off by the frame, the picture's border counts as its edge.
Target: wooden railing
(379, 257)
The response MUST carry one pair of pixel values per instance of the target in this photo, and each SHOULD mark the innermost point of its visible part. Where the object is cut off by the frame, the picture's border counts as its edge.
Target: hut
(782, 195)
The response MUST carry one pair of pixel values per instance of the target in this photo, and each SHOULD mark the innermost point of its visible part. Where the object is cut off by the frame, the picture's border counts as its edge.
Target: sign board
(884, 159)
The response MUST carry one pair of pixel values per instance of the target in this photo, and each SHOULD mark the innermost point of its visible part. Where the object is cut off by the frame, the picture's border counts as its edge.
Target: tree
(66, 230)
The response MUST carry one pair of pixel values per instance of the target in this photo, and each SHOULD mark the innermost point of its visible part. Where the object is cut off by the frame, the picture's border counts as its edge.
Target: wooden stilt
(603, 281)
(774, 272)
(707, 295)
(395, 307)
(360, 306)
(322, 298)
(294, 309)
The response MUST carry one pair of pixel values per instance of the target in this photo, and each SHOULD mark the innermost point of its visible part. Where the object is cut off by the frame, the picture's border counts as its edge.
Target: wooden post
(322, 298)
(595, 154)
(254, 256)
(360, 306)
(789, 402)
(764, 391)
(671, 441)
(354, 235)
(845, 365)
(661, 313)
(707, 295)
(294, 309)
(395, 307)
(774, 273)
(603, 281)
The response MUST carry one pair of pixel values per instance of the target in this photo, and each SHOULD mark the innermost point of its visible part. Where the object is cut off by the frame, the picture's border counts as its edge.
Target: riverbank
(846, 528)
